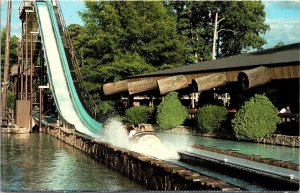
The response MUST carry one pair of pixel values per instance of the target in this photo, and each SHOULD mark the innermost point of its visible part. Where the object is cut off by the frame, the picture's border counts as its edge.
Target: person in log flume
(285, 109)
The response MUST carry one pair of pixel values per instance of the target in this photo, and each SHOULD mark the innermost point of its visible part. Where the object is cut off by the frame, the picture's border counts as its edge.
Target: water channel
(183, 143)
(284, 153)
(40, 162)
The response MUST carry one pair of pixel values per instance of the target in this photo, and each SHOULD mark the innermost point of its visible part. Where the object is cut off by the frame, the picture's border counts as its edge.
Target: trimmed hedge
(210, 117)
(256, 118)
(137, 115)
(171, 113)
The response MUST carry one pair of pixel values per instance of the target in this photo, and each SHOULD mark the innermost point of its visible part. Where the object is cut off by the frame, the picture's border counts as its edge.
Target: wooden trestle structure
(29, 76)
(236, 75)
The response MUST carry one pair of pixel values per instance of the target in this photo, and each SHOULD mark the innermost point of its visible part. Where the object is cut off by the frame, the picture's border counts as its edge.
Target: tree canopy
(134, 36)
(123, 38)
(13, 49)
(240, 25)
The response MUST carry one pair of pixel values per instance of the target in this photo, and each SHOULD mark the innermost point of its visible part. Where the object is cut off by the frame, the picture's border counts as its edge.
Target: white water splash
(115, 133)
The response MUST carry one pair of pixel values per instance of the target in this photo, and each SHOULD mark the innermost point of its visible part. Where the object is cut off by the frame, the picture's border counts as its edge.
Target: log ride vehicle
(145, 138)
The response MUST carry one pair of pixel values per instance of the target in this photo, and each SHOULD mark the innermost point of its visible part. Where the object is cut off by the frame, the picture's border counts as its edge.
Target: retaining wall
(274, 139)
(278, 139)
(154, 174)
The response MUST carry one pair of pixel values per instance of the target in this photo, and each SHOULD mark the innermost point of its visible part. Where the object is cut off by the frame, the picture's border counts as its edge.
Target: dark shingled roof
(274, 56)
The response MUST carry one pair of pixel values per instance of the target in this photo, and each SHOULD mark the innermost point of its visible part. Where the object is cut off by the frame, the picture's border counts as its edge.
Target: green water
(263, 150)
(41, 162)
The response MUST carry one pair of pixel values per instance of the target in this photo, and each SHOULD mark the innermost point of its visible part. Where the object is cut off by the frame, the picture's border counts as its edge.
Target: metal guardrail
(85, 94)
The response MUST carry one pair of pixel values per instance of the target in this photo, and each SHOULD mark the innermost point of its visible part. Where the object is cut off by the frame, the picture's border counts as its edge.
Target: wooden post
(6, 65)
(129, 101)
(31, 71)
(254, 77)
(22, 65)
(26, 57)
(41, 108)
(12, 119)
(151, 102)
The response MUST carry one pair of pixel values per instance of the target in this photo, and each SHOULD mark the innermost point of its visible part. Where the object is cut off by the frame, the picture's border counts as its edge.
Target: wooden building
(229, 80)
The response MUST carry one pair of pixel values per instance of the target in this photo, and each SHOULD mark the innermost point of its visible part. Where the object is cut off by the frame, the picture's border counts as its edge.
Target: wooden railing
(288, 117)
(7, 119)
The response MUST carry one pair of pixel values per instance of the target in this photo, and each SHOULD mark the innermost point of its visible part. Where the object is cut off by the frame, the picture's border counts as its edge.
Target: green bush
(140, 114)
(171, 113)
(210, 117)
(256, 118)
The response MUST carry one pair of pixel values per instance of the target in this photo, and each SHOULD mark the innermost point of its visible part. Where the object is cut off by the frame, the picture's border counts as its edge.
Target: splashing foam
(115, 134)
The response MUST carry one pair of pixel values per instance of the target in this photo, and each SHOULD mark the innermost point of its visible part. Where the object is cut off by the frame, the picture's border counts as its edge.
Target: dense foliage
(210, 117)
(13, 49)
(124, 38)
(240, 26)
(11, 100)
(171, 113)
(136, 36)
(256, 118)
(139, 114)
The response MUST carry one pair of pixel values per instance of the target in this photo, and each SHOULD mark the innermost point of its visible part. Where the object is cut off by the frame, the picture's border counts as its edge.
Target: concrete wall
(154, 174)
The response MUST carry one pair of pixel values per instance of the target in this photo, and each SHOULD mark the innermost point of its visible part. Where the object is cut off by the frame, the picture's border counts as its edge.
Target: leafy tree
(13, 46)
(123, 38)
(193, 23)
(115, 30)
(195, 20)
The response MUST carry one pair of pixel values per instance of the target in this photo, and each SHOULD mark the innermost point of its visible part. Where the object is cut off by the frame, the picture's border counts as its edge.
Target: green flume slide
(61, 84)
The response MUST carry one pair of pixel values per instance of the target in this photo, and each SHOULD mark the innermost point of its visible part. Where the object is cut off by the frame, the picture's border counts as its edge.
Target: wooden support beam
(116, 87)
(142, 86)
(208, 82)
(172, 83)
(254, 77)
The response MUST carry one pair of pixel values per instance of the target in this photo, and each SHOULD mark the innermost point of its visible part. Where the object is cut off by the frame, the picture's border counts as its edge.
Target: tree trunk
(117, 87)
(254, 77)
(215, 36)
(208, 82)
(141, 86)
(172, 83)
